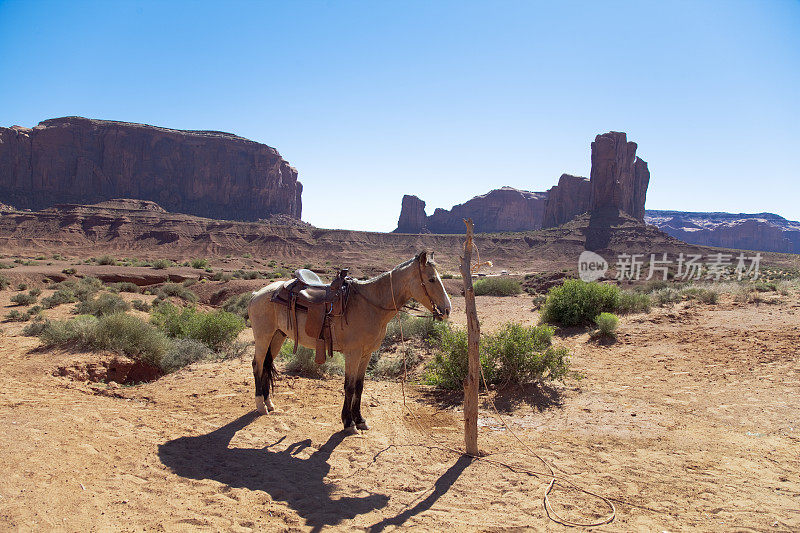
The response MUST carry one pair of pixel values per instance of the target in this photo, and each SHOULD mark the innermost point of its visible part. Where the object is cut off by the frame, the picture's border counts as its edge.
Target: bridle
(437, 313)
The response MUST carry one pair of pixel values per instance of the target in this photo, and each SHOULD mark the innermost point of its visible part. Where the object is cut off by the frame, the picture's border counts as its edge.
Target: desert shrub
(238, 304)
(22, 286)
(447, 275)
(139, 305)
(247, 255)
(653, 285)
(420, 328)
(105, 304)
(4, 266)
(24, 298)
(607, 324)
(4, 282)
(61, 296)
(706, 296)
(666, 296)
(448, 368)
(248, 274)
(221, 276)
(177, 290)
(391, 366)
(161, 264)
(497, 286)
(633, 302)
(216, 329)
(119, 332)
(36, 291)
(106, 260)
(15, 316)
(272, 263)
(577, 302)
(124, 286)
(188, 282)
(184, 352)
(765, 286)
(235, 350)
(69, 271)
(199, 263)
(303, 361)
(35, 328)
(517, 354)
(72, 290)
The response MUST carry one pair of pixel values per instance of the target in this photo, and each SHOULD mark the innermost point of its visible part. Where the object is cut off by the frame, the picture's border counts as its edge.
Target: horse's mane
(385, 274)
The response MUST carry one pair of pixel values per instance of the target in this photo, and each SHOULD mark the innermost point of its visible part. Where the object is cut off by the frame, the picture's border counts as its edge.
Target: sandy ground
(690, 421)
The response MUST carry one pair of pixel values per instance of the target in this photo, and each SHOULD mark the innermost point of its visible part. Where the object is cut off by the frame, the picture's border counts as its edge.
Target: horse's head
(430, 290)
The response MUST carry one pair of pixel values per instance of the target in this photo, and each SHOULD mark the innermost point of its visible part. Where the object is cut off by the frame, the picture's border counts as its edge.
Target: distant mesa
(206, 173)
(618, 183)
(765, 232)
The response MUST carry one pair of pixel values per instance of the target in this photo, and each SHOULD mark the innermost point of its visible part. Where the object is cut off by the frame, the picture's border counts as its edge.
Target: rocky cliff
(618, 183)
(569, 198)
(206, 173)
(504, 209)
(764, 232)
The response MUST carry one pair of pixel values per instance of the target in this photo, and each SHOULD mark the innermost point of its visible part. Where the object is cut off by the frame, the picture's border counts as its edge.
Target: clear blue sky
(445, 100)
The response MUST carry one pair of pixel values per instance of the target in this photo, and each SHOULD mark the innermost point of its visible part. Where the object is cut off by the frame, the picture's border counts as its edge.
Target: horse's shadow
(297, 481)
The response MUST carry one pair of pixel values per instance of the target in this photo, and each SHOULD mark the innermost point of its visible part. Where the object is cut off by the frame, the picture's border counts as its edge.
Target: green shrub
(607, 324)
(216, 329)
(177, 290)
(35, 328)
(706, 296)
(391, 366)
(69, 271)
(139, 305)
(161, 264)
(188, 282)
(248, 274)
(666, 296)
(420, 328)
(106, 260)
(448, 368)
(15, 316)
(61, 296)
(184, 352)
(22, 286)
(765, 286)
(105, 304)
(497, 286)
(82, 289)
(4, 266)
(199, 263)
(518, 354)
(4, 282)
(238, 304)
(35, 292)
(633, 302)
(447, 275)
(577, 302)
(124, 286)
(119, 332)
(24, 299)
(303, 362)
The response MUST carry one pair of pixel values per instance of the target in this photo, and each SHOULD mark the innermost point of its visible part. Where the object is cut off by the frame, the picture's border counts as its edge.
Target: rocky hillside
(618, 183)
(205, 173)
(761, 231)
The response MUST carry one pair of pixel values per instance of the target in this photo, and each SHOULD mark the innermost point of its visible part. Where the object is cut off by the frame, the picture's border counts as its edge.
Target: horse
(371, 305)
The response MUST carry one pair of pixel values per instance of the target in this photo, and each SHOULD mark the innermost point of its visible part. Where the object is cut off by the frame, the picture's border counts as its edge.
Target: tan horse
(371, 306)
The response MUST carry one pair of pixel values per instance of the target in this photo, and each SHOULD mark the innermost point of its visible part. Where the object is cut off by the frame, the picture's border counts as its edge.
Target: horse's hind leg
(351, 363)
(264, 369)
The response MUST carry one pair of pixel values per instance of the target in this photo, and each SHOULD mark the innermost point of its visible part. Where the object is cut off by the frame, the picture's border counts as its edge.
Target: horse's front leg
(351, 365)
(359, 420)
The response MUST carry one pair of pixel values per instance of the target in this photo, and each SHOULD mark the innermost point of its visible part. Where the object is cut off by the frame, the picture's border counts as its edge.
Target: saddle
(307, 293)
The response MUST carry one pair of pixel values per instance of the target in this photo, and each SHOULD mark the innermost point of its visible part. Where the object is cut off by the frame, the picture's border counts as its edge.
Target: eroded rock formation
(504, 209)
(565, 200)
(205, 173)
(619, 179)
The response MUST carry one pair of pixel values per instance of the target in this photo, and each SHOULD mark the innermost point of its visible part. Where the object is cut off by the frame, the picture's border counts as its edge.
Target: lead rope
(551, 514)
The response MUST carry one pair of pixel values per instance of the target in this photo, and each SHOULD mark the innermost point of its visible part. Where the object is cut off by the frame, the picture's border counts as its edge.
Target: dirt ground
(691, 420)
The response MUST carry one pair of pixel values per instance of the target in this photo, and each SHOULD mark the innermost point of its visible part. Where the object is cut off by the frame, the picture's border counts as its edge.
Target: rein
(436, 311)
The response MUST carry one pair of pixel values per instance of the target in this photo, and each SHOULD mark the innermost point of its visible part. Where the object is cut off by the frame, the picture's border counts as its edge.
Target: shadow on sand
(285, 477)
(298, 482)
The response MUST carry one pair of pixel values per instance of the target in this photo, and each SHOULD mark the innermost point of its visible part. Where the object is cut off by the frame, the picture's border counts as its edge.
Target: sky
(444, 100)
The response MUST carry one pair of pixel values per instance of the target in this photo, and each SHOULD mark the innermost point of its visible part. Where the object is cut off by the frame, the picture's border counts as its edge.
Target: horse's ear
(423, 257)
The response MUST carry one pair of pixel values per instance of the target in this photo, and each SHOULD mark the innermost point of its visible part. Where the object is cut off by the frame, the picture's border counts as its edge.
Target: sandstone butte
(618, 183)
(205, 173)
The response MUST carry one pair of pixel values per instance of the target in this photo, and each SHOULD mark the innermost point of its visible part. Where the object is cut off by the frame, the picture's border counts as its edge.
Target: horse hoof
(350, 430)
(261, 407)
(270, 405)
(362, 426)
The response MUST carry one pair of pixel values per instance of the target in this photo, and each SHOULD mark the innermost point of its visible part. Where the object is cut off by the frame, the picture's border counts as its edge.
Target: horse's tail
(269, 372)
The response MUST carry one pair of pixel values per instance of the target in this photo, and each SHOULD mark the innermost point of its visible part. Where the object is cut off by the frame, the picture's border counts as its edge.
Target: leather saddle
(307, 293)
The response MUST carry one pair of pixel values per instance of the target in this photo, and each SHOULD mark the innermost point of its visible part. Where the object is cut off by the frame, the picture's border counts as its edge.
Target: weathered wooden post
(473, 337)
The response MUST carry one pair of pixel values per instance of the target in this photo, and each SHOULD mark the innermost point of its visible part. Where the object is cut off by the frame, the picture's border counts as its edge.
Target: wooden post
(473, 338)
